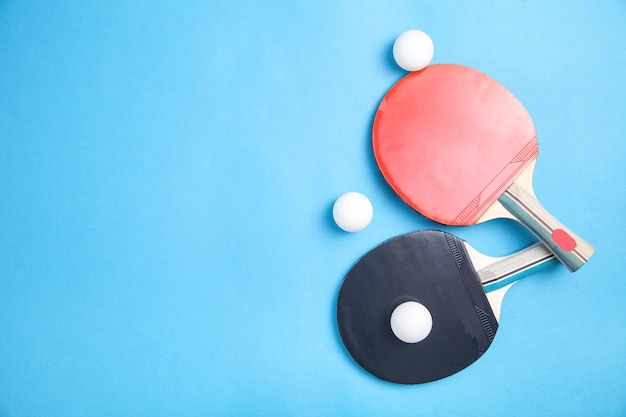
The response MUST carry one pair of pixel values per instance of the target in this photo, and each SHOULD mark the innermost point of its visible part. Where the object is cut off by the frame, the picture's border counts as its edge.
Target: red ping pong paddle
(459, 148)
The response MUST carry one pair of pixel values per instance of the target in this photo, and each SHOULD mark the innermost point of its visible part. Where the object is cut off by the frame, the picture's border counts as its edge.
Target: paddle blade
(450, 140)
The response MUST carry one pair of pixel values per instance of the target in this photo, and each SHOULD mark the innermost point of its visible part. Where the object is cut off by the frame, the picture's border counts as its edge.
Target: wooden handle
(569, 248)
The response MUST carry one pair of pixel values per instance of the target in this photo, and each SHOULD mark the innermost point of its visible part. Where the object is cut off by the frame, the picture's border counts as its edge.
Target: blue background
(167, 172)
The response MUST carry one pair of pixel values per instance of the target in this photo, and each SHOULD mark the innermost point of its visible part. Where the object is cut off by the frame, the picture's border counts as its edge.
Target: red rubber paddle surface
(450, 140)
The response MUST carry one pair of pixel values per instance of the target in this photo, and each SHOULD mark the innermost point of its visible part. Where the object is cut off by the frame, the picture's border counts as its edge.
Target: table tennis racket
(459, 148)
(425, 305)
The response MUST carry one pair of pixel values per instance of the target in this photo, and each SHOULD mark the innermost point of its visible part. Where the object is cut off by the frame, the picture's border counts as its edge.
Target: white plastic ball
(411, 322)
(353, 212)
(413, 50)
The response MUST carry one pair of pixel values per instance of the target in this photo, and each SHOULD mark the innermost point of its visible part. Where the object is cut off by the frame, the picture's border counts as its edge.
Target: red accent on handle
(564, 240)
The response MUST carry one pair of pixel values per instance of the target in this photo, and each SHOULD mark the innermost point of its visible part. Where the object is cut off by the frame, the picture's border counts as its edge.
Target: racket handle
(515, 266)
(570, 249)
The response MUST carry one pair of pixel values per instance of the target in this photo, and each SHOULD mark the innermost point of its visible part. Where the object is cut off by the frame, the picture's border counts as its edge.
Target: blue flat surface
(167, 172)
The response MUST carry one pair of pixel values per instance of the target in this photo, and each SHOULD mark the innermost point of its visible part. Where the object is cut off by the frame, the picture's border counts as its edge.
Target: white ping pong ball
(411, 322)
(353, 212)
(413, 50)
